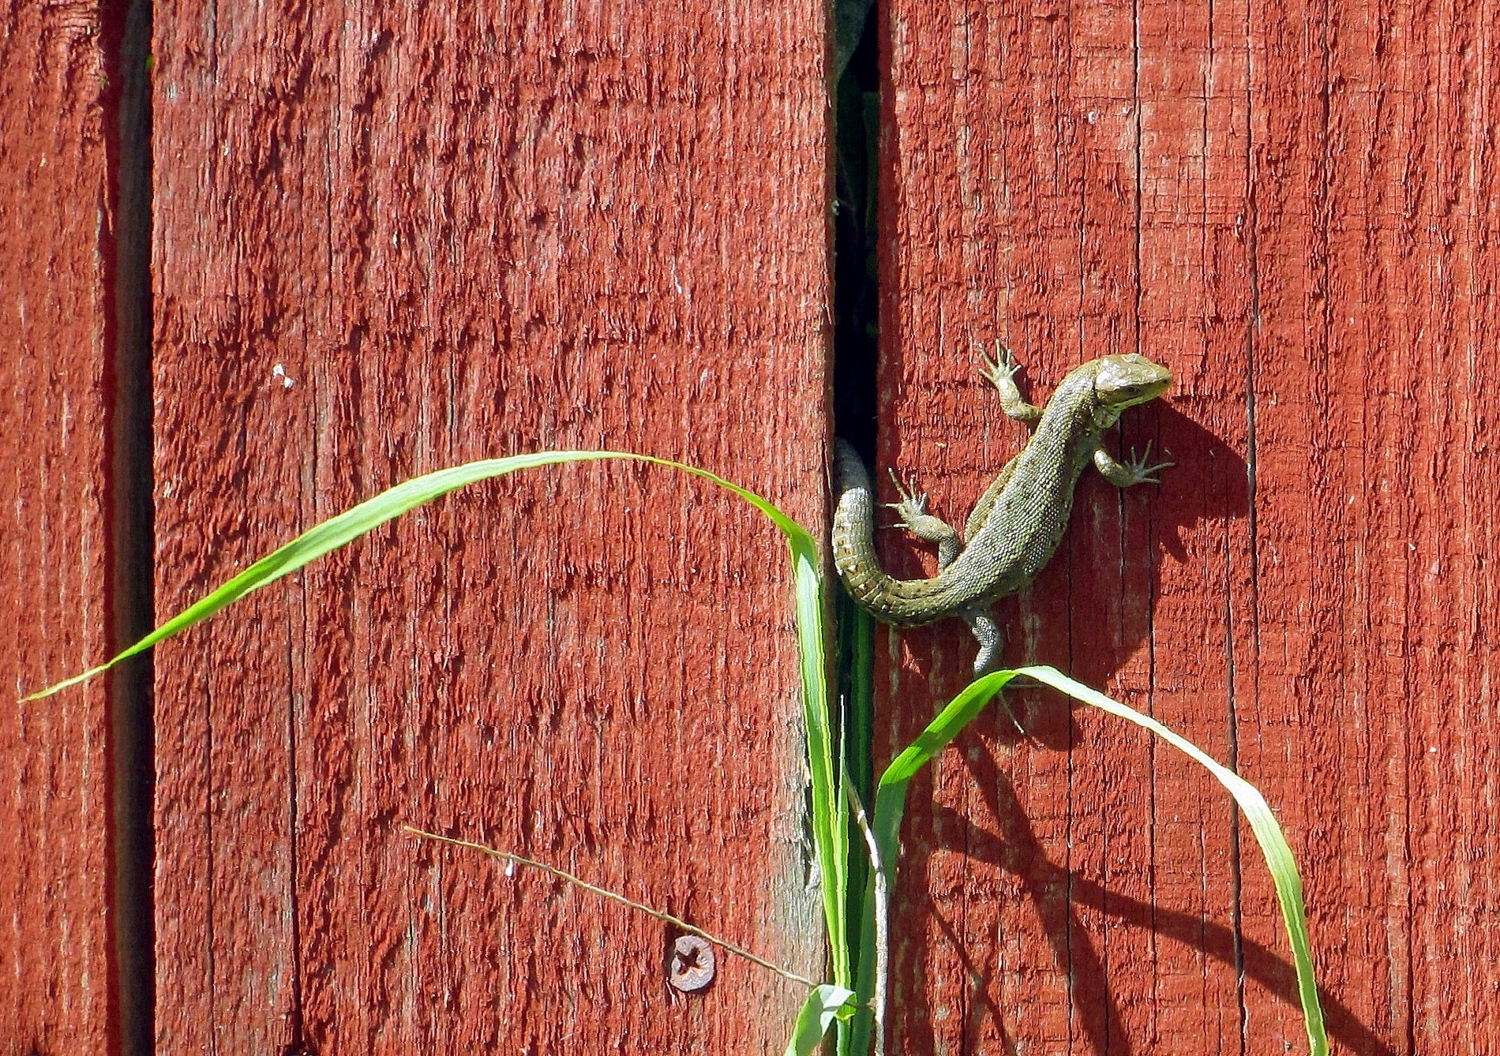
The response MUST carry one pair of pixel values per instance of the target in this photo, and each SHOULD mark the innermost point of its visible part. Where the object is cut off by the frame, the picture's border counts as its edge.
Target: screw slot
(692, 964)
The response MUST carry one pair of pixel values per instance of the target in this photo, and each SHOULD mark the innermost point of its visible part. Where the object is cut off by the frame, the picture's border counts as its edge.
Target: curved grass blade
(830, 827)
(322, 539)
(1262, 822)
(890, 805)
(824, 1004)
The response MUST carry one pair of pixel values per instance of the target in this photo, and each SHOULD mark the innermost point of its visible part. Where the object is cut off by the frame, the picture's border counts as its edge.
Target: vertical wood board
(389, 240)
(55, 318)
(1292, 206)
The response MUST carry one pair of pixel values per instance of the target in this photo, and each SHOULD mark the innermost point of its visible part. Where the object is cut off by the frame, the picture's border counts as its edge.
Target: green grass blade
(325, 537)
(890, 794)
(890, 807)
(856, 642)
(830, 826)
(1262, 822)
(824, 1004)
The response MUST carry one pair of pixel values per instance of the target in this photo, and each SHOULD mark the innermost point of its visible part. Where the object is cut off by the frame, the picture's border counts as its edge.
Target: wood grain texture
(392, 239)
(55, 232)
(1293, 206)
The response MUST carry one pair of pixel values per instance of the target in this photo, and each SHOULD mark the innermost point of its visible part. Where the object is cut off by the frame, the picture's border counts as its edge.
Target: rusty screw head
(692, 964)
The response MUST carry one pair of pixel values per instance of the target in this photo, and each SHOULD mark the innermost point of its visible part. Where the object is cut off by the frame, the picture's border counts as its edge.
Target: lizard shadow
(1210, 480)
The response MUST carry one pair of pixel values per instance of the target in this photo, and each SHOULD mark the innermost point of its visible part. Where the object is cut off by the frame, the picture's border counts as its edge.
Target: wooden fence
(366, 241)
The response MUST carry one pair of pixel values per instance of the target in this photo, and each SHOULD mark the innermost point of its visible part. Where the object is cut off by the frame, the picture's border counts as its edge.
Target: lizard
(1017, 523)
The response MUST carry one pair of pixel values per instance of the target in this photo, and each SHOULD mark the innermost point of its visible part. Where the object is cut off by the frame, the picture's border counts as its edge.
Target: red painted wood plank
(1196, 296)
(1291, 205)
(388, 241)
(55, 241)
(1386, 591)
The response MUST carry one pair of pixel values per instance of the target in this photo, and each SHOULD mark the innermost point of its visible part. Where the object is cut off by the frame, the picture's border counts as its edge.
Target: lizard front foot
(1001, 368)
(1138, 472)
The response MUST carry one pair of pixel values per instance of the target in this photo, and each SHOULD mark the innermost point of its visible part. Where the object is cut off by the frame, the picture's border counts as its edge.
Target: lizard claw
(913, 504)
(1000, 367)
(1140, 472)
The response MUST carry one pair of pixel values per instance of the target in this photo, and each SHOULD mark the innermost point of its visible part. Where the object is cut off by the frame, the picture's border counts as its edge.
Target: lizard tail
(854, 547)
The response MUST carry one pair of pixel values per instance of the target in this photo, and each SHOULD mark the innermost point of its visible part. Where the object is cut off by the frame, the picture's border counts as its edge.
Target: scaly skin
(1020, 519)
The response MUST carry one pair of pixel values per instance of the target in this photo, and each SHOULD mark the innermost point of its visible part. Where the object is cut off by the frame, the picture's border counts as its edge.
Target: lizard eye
(1131, 390)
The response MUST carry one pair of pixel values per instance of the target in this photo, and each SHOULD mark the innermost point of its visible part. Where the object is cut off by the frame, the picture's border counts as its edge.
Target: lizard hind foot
(912, 509)
(913, 504)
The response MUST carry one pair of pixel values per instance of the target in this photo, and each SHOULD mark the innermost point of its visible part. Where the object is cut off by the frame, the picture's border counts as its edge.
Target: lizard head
(1124, 381)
